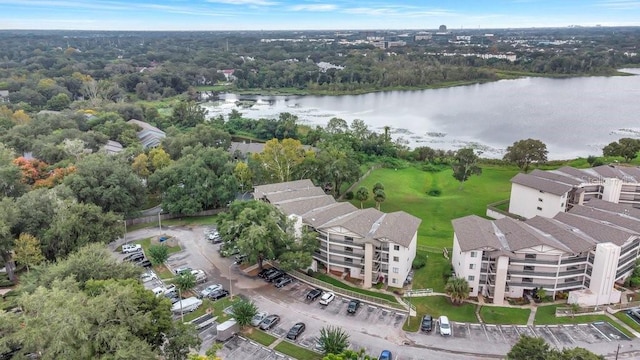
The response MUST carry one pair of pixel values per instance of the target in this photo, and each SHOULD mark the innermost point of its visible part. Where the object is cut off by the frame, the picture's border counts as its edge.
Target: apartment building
(546, 193)
(365, 244)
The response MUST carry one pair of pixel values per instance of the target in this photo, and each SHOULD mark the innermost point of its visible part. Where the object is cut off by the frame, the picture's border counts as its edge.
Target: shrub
(418, 263)
(434, 192)
(433, 168)
(4, 283)
(310, 272)
(348, 195)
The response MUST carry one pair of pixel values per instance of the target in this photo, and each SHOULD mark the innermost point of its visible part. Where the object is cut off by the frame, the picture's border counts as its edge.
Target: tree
(27, 250)
(58, 102)
(350, 355)
(576, 354)
(457, 288)
(529, 348)
(188, 114)
(575, 307)
(8, 218)
(107, 181)
(362, 195)
(243, 312)
(184, 282)
(244, 176)
(158, 254)
(140, 166)
(465, 164)
(525, 152)
(333, 340)
(377, 186)
(626, 147)
(202, 179)
(10, 174)
(379, 197)
(180, 340)
(159, 159)
(337, 166)
(280, 158)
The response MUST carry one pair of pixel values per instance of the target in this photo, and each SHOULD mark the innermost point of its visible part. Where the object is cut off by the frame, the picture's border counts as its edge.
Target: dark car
(314, 294)
(427, 323)
(354, 305)
(144, 263)
(296, 330)
(283, 281)
(385, 355)
(218, 294)
(275, 276)
(266, 272)
(136, 256)
(269, 322)
(172, 297)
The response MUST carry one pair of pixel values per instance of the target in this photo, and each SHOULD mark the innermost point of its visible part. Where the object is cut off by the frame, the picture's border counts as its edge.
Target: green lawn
(163, 273)
(337, 283)
(406, 189)
(622, 315)
(504, 315)
(259, 336)
(297, 352)
(186, 221)
(440, 305)
(431, 276)
(146, 243)
(217, 308)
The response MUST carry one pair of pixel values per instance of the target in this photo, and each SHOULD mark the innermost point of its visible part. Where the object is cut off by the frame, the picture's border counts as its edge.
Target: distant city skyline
(312, 14)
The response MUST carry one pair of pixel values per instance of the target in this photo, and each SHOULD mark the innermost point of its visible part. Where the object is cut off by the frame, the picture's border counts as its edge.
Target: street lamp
(160, 220)
(230, 282)
(618, 350)
(124, 221)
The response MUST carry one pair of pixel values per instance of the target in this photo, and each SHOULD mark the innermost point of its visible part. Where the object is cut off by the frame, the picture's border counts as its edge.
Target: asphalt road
(372, 328)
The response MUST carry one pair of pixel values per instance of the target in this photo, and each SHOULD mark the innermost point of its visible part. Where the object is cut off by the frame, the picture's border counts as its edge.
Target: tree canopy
(465, 165)
(525, 152)
(626, 147)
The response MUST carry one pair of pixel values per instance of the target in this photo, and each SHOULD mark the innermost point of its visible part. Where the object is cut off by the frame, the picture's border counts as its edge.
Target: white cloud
(620, 4)
(314, 7)
(245, 2)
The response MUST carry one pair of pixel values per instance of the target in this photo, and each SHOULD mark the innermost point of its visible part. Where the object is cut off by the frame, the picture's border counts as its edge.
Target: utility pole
(618, 350)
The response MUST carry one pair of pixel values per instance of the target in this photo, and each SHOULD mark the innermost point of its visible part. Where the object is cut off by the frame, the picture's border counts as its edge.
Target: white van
(159, 291)
(444, 325)
(188, 305)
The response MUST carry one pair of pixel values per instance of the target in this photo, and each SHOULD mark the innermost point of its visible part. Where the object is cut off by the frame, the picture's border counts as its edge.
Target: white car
(210, 289)
(445, 326)
(327, 298)
(257, 318)
(148, 276)
(131, 248)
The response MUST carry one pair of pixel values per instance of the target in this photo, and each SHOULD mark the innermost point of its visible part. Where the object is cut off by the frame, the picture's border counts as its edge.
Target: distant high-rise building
(442, 28)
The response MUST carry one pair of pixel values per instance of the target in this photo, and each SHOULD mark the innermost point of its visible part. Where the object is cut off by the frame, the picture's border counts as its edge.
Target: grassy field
(622, 315)
(146, 243)
(259, 336)
(439, 305)
(431, 276)
(546, 315)
(337, 283)
(217, 308)
(163, 272)
(504, 315)
(406, 190)
(297, 352)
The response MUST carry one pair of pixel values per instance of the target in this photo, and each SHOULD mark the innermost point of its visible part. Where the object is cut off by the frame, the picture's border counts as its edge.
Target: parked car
(137, 256)
(186, 305)
(171, 289)
(144, 263)
(634, 313)
(218, 294)
(239, 259)
(131, 248)
(296, 330)
(275, 276)
(283, 281)
(327, 298)
(266, 272)
(313, 294)
(385, 355)
(269, 322)
(158, 291)
(257, 318)
(172, 297)
(201, 276)
(353, 306)
(148, 276)
(182, 270)
(209, 289)
(427, 323)
(445, 326)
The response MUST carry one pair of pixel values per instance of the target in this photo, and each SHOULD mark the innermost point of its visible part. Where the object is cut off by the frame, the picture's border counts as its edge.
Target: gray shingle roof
(474, 232)
(539, 183)
(320, 216)
(557, 177)
(293, 194)
(613, 207)
(398, 227)
(261, 190)
(519, 235)
(608, 171)
(597, 230)
(576, 240)
(359, 222)
(303, 206)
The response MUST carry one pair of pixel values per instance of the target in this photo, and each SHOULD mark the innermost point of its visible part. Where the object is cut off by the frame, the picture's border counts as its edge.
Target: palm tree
(333, 340)
(184, 282)
(379, 196)
(362, 195)
(243, 312)
(458, 289)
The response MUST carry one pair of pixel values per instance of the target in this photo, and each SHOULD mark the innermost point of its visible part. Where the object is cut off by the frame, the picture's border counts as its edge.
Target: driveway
(372, 328)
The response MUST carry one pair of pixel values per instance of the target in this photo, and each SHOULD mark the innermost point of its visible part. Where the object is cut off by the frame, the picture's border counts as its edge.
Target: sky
(312, 14)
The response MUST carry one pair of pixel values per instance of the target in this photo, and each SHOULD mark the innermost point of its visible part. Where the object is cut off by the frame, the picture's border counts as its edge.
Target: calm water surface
(574, 117)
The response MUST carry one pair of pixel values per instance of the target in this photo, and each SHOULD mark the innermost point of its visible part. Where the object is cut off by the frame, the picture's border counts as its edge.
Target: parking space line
(485, 332)
(601, 333)
(568, 333)
(501, 333)
(552, 336)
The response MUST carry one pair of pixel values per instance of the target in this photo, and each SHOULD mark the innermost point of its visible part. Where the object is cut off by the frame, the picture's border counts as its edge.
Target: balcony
(560, 286)
(323, 259)
(533, 261)
(582, 259)
(332, 252)
(339, 241)
(540, 274)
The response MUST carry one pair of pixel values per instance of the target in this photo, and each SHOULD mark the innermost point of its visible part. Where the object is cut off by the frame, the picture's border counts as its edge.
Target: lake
(575, 117)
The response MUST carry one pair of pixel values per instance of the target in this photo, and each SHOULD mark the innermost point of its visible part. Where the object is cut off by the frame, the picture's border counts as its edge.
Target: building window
(530, 256)
(470, 290)
(539, 208)
(396, 270)
(472, 266)
(471, 277)
(474, 254)
(348, 239)
(528, 268)
(562, 205)
(348, 249)
(527, 280)
(540, 199)
(396, 258)
(348, 260)
(541, 192)
(396, 247)
(394, 280)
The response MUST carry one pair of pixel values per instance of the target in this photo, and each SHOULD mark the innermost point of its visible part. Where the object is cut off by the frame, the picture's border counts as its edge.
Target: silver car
(257, 318)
